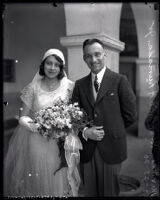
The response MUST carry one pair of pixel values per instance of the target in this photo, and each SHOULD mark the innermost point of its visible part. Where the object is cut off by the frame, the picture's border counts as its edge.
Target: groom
(108, 99)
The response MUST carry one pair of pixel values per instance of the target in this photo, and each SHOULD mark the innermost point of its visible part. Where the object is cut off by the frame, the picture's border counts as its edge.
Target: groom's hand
(94, 133)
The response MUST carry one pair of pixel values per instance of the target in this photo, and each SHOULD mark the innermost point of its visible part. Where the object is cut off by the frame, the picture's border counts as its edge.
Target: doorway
(128, 34)
(127, 65)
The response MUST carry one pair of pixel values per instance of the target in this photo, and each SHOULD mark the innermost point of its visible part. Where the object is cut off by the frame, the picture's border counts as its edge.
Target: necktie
(96, 84)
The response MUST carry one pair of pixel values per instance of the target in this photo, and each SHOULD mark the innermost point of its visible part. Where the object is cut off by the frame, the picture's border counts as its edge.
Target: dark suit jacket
(115, 109)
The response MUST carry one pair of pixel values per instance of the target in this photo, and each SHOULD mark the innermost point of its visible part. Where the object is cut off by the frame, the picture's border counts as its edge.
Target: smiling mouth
(51, 72)
(95, 65)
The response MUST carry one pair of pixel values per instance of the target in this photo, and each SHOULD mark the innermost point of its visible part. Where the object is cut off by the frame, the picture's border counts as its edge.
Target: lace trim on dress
(67, 85)
(64, 90)
(27, 95)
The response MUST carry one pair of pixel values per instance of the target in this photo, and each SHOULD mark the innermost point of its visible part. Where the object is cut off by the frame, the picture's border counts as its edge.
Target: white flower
(47, 126)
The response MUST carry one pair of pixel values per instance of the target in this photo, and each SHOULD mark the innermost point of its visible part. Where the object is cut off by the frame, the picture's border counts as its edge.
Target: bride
(31, 159)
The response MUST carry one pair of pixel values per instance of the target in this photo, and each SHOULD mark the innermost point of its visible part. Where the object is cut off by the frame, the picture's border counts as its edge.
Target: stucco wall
(28, 31)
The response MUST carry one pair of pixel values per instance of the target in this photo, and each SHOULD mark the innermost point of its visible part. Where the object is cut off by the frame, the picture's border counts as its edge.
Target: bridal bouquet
(58, 120)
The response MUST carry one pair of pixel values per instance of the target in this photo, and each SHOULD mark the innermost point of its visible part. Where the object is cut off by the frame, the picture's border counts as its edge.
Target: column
(76, 66)
(146, 87)
(91, 20)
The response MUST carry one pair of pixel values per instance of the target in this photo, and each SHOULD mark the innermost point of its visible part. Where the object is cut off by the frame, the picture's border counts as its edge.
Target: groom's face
(93, 55)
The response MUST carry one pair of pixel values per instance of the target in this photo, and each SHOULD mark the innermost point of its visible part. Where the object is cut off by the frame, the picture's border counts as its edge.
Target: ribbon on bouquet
(72, 145)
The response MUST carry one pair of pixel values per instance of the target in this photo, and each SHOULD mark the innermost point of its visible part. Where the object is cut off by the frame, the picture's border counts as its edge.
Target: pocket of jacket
(111, 97)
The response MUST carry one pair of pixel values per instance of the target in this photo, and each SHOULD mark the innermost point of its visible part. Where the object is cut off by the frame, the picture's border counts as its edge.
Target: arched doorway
(128, 35)
(128, 57)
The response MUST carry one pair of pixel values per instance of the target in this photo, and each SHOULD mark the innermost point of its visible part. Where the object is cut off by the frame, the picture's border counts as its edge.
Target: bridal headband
(56, 52)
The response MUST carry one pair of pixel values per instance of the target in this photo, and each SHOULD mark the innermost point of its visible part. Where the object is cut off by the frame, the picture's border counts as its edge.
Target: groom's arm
(127, 102)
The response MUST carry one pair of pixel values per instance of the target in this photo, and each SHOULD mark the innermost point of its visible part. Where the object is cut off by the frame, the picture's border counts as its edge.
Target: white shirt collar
(99, 75)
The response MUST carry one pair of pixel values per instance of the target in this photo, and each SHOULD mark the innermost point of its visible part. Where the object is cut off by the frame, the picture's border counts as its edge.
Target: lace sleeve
(27, 95)
(70, 88)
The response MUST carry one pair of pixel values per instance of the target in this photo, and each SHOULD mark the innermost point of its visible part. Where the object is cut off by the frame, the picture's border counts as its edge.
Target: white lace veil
(50, 52)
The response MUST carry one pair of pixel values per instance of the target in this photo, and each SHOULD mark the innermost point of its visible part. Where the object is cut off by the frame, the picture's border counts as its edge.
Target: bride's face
(51, 67)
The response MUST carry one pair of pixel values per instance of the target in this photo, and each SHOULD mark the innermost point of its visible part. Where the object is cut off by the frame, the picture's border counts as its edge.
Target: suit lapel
(106, 84)
(87, 87)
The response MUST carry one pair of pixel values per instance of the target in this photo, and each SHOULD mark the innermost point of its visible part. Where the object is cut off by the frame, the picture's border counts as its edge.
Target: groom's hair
(61, 66)
(92, 41)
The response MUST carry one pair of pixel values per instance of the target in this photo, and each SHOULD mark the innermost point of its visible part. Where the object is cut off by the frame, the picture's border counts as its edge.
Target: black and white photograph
(80, 99)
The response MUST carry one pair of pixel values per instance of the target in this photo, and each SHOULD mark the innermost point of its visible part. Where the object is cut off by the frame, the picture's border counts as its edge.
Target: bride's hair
(61, 66)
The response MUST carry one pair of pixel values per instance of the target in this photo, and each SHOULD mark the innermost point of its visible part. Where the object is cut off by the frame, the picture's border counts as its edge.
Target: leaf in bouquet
(63, 162)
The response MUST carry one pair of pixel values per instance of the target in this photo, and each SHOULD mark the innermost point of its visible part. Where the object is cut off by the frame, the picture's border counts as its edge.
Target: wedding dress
(31, 160)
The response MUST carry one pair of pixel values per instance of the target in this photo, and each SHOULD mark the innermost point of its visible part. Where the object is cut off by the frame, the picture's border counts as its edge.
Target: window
(9, 70)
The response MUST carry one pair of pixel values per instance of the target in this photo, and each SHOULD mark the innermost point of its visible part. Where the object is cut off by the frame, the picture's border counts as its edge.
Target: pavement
(138, 164)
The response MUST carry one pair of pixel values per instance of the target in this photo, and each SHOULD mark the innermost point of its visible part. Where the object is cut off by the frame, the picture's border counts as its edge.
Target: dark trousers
(100, 179)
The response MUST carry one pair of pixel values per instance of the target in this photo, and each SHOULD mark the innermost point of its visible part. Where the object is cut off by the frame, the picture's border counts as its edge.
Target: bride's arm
(24, 110)
(25, 119)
